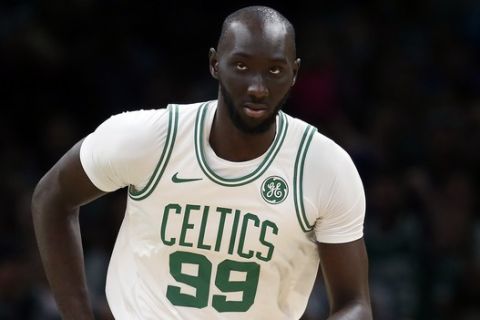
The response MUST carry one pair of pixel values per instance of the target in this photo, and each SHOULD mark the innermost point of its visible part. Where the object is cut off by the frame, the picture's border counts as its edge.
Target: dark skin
(256, 64)
(258, 68)
(55, 208)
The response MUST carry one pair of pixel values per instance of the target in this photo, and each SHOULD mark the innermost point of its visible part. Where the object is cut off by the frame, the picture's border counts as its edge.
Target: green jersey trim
(162, 163)
(234, 182)
(298, 179)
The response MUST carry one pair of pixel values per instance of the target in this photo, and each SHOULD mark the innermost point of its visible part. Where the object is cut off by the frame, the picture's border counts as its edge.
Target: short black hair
(261, 13)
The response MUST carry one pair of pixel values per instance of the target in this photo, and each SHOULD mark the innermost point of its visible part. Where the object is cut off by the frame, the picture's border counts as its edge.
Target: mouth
(255, 110)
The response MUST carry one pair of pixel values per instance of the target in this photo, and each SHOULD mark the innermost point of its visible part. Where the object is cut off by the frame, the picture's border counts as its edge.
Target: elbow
(367, 312)
(45, 197)
(358, 310)
(364, 311)
(50, 201)
(39, 196)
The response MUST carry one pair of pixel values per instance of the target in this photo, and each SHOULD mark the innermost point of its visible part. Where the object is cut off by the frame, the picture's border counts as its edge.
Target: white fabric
(333, 186)
(125, 150)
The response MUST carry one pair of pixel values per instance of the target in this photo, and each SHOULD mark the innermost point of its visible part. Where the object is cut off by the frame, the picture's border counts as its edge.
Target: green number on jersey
(201, 282)
(248, 287)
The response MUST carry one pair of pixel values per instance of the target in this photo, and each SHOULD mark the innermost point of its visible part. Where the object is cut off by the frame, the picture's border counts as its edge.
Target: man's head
(256, 65)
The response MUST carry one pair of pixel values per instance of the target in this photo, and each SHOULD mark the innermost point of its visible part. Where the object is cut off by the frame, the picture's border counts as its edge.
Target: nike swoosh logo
(176, 179)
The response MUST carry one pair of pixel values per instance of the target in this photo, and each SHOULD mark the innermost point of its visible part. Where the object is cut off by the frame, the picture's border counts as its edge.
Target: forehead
(267, 39)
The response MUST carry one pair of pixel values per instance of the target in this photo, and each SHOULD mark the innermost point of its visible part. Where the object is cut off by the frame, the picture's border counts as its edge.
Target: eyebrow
(247, 55)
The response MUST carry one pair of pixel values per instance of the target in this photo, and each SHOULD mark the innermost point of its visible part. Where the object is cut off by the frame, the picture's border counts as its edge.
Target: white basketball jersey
(196, 245)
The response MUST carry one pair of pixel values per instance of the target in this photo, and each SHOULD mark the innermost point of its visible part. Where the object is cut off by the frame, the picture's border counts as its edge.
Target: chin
(254, 125)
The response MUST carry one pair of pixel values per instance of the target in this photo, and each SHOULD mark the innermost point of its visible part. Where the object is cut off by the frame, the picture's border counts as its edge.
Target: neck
(232, 144)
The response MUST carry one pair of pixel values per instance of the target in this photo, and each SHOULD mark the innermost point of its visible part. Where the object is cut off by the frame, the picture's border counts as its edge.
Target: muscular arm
(345, 270)
(55, 207)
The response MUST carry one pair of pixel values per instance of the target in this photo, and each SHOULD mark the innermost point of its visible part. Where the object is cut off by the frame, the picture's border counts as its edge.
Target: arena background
(394, 82)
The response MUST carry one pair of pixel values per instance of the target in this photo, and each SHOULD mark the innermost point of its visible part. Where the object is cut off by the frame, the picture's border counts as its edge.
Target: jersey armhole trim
(162, 163)
(298, 178)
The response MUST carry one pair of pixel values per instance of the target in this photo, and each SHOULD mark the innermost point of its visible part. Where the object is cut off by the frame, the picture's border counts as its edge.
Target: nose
(257, 87)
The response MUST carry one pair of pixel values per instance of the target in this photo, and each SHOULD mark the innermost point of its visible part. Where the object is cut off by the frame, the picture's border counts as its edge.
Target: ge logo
(274, 190)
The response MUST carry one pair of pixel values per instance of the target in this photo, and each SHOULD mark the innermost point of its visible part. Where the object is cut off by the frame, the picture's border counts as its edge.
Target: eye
(276, 70)
(240, 66)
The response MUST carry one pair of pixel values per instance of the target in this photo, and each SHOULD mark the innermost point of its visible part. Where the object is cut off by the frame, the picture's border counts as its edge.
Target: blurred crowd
(396, 83)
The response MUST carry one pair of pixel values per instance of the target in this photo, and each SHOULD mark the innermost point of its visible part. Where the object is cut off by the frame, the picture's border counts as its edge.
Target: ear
(213, 62)
(296, 67)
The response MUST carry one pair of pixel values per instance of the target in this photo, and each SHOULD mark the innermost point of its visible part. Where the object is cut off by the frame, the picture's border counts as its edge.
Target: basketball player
(232, 204)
